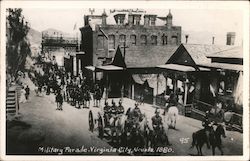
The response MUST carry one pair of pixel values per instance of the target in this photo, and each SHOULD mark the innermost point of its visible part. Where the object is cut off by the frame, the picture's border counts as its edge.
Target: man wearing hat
(158, 125)
(107, 113)
(157, 120)
(120, 108)
(136, 111)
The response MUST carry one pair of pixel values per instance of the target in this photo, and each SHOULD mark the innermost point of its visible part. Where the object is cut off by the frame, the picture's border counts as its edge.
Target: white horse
(172, 116)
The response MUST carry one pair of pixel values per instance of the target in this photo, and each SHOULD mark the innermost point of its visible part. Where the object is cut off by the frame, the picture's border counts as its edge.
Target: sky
(210, 22)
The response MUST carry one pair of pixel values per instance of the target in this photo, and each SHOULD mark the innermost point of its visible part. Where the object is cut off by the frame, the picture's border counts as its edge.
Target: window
(120, 20)
(154, 40)
(122, 39)
(136, 20)
(100, 42)
(133, 39)
(174, 40)
(164, 39)
(152, 21)
(143, 39)
(111, 41)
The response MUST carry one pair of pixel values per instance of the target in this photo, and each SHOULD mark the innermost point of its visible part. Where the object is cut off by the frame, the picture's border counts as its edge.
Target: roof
(109, 68)
(177, 67)
(199, 52)
(234, 52)
(96, 20)
(182, 68)
(148, 56)
(92, 68)
(225, 66)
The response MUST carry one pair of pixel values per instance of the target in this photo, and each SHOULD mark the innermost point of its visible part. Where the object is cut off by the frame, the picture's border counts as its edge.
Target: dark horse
(199, 138)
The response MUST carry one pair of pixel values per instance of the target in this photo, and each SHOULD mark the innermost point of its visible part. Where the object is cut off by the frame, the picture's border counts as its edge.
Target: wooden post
(74, 66)
(185, 91)
(133, 91)
(79, 65)
(122, 92)
(175, 83)
(94, 76)
(107, 86)
(157, 85)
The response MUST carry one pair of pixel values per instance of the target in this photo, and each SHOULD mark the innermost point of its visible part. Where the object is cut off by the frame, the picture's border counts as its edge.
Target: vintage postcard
(124, 80)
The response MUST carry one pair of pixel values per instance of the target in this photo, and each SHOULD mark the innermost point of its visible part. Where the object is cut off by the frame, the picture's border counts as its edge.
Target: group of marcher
(76, 90)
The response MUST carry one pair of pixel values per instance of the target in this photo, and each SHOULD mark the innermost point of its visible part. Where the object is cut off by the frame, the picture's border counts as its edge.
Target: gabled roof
(233, 52)
(199, 52)
(119, 59)
(148, 56)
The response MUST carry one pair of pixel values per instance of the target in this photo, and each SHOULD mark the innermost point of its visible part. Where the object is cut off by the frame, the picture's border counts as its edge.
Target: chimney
(230, 38)
(169, 20)
(104, 18)
(186, 36)
(86, 20)
(213, 40)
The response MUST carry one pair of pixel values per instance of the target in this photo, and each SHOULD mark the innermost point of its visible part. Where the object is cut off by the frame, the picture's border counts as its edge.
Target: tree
(17, 45)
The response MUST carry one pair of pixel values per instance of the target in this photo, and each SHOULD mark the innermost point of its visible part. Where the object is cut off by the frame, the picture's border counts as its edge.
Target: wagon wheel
(100, 127)
(91, 121)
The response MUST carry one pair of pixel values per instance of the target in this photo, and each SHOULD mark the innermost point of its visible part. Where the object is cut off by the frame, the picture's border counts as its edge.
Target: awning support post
(186, 91)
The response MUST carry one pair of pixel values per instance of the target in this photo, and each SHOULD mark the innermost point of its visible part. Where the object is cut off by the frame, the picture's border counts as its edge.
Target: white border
(242, 5)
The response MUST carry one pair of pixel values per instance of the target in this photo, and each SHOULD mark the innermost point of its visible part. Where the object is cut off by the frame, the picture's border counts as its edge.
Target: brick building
(132, 29)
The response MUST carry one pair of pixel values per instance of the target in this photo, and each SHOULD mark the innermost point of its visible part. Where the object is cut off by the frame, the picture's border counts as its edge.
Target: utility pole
(124, 53)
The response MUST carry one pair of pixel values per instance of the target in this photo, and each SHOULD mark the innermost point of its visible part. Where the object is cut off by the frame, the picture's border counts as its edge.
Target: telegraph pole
(124, 53)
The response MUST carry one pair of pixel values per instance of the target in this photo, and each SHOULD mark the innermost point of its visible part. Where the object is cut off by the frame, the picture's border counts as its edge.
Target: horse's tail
(194, 140)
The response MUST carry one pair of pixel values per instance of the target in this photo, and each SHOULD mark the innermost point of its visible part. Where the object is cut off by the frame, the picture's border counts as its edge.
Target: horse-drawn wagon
(108, 122)
(127, 129)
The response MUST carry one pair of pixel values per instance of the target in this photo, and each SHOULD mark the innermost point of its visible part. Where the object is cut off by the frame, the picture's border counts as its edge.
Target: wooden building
(199, 80)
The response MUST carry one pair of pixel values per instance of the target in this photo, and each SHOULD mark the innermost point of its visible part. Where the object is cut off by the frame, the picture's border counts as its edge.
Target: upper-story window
(119, 18)
(100, 42)
(174, 40)
(152, 21)
(111, 41)
(143, 39)
(133, 39)
(164, 39)
(122, 39)
(154, 40)
(136, 19)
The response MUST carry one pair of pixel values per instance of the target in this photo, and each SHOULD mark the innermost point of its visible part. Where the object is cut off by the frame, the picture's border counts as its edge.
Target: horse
(199, 138)
(134, 133)
(172, 116)
(215, 138)
(146, 130)
(117, 128)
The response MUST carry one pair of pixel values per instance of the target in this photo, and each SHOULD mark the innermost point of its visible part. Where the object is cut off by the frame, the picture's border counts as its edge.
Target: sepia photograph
(123, 79)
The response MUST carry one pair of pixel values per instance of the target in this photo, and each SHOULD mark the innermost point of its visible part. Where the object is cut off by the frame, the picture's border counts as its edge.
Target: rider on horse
(136, 111)
(206, 123)
(107, 113)
(158, 125)
(157, 121)
(120, 108)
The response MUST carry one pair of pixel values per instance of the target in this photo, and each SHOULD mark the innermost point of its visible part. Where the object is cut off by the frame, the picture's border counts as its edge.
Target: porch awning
(177, 67)
(109, 68)
(92, 68)
(225, 66)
